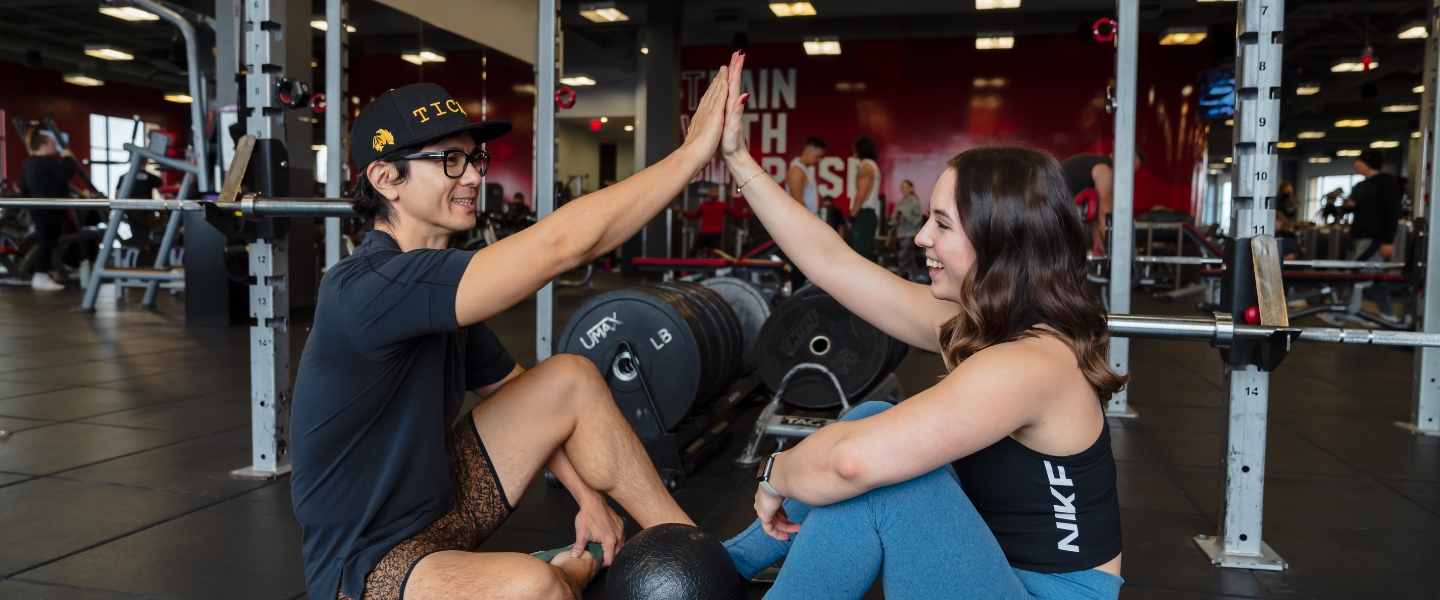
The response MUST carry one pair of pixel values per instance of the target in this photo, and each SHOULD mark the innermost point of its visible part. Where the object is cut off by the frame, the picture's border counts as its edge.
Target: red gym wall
(925, 100)
(508, 86)
(72, 106)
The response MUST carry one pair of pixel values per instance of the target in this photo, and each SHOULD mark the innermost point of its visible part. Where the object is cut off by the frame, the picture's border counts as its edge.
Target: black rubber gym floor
(124, 425)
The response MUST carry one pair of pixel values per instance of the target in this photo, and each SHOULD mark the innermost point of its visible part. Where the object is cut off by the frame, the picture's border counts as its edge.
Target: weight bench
(1327, 285)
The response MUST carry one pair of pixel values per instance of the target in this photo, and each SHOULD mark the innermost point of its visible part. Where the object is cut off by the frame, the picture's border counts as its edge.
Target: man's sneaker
(43, 282)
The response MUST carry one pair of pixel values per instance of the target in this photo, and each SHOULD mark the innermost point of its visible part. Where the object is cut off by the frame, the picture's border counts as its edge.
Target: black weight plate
(661, 338)
(733, 338)
(815, 328)
(751, 308)
(716, 333)
(704, 337)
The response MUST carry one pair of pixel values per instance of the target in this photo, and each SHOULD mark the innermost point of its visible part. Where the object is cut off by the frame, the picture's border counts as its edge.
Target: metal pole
(1122, 244)
(1425, 391)
(548, 27)
(197, 90)
(1255, 177)
(337, 80)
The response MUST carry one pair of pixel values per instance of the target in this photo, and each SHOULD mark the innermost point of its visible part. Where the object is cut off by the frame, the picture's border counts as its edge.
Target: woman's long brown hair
(1030, 262)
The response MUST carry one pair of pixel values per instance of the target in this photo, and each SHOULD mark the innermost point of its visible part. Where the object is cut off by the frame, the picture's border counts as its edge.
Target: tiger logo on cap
(382, 138)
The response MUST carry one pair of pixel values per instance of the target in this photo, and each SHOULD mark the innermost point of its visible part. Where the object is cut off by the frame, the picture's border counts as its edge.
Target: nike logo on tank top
(1051, 514)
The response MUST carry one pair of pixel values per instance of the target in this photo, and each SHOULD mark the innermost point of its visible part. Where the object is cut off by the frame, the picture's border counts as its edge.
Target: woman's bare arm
(898, 307)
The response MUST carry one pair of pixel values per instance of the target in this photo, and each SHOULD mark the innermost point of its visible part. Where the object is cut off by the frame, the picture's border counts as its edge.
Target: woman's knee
(867, 409)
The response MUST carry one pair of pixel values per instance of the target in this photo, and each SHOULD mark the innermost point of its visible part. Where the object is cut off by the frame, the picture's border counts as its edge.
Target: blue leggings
(923, 535)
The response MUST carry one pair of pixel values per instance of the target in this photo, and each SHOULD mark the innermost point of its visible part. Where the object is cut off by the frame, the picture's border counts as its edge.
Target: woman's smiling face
(948, 252)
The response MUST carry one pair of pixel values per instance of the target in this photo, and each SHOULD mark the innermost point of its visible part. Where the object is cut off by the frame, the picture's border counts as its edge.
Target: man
(394, 499)
(1375, 203)
(1091, 178)
(46, 174)
(800, 178)
(907, 219)
(711, 214)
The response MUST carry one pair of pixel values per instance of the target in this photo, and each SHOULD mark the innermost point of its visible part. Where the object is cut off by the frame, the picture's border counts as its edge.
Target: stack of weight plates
(813, 327)
(751, 305)
(686, 341)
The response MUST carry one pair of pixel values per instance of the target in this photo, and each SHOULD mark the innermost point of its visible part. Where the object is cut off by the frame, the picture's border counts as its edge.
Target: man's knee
(536, 580)
(580, 376)
(868, 409)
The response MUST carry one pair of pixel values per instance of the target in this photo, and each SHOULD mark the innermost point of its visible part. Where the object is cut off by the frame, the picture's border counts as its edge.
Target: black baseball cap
(415, 114)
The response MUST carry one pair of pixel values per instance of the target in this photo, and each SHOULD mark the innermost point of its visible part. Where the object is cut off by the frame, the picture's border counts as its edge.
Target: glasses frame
(480, 158)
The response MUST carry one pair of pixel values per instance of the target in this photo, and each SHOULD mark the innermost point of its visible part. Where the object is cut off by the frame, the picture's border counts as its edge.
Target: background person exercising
(46, 174)
(1376, 205)
(1095, 172)
(800, 177)
(393, 498)
(865, 207)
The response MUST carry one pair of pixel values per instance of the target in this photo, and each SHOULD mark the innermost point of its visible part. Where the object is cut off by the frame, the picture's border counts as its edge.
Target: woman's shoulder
(1033, 360)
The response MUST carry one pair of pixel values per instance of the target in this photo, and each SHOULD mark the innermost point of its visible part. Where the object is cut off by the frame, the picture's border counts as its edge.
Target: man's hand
(598, 523)
(1387, 250)
(772, 516)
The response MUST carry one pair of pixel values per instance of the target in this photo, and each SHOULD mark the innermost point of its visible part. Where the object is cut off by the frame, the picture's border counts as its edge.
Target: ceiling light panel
(1348, 153)
(794, 9)
(1413, 30)
(83, 80)
(179, 98)
(995, 41)
(1385, 144)
(1311, 135)
(129, 13)
(1284, 144)
(1320, 159)
(1352, 122)
(1353, 65)
(1307, 90)
(993, 4)
(577, 81)
(822, 46)
(602, 12)
(1183, 36)
(1400, 108)
(107, 53)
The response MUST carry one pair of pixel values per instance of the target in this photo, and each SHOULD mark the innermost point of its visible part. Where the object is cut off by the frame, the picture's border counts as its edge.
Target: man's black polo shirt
(383, 375)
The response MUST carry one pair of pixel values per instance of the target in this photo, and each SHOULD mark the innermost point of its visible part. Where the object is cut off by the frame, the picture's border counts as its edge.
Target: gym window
(108, 136)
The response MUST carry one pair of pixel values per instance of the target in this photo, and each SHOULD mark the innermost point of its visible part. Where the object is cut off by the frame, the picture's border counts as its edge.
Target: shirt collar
(381, 240)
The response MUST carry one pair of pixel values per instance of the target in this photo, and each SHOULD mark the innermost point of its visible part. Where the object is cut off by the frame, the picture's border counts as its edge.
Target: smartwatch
(763, 476)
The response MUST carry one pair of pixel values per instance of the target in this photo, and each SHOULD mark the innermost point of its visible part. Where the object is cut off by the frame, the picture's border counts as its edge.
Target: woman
(1019, 414)
(865, 206)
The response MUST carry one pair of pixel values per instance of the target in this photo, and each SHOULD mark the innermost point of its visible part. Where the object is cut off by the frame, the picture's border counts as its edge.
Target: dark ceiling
(1317, 33)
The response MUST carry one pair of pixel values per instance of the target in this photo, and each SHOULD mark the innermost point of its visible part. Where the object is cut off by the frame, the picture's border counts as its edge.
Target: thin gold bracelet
(742, 186)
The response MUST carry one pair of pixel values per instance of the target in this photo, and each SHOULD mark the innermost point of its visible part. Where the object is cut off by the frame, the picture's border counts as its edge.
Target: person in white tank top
(800, 176)
(865, 207)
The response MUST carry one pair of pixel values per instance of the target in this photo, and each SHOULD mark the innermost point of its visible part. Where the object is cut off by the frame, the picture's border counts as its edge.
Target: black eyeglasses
(455, 161)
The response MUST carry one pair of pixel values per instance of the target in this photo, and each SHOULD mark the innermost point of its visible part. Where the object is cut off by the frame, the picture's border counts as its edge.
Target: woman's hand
(772, 516)
(732, 142)
(709, 119)
(597, 522)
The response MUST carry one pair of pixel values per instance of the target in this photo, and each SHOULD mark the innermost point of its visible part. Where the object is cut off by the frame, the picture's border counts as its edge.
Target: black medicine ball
(674, 562)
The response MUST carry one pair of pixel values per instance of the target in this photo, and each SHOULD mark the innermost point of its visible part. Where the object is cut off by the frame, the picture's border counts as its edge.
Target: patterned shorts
(480, 508)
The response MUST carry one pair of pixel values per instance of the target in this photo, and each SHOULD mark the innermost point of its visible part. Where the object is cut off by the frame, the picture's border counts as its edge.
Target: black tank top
(1079, 171)
(1051, 514)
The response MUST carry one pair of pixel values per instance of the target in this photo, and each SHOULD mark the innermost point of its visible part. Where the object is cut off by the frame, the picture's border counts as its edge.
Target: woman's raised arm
(898, 307)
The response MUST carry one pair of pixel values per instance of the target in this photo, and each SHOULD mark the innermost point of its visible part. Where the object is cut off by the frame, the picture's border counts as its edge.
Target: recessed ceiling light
(602, 12)
(1413, 30)
(577, 81)
(989, 82)
(1311, 135)
(1229, 160)
(129, 13)
(1353, 65)
(107, 53)
(995, 41)
(1284, 144)
(1229, 121)
(604, 119)
(629, 128)
(1352, 122)
(1348, 153)
(1320, 159)
(1415, 134)
(644, 49)
(1419, 89)
(1400, 108)
(423, 56)
(990, 4)
(1385, 144)
(1183, 36)
(81, 79)
(179, 98)
(792, 9)
(1216, 166)
(1307, 90)
(822, 46)
(320, 24)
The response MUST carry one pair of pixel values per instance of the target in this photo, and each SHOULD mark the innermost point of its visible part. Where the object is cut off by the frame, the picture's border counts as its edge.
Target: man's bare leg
(564, 402)
(473, 575)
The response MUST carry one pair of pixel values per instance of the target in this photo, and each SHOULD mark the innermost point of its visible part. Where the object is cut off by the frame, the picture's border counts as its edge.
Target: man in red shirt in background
(711, 214)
